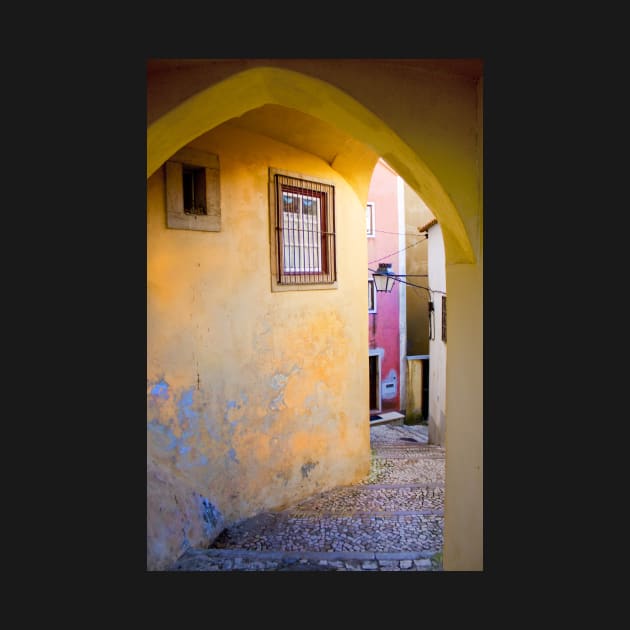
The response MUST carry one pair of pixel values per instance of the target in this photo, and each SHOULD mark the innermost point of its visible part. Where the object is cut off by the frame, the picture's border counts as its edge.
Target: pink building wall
(384, 330)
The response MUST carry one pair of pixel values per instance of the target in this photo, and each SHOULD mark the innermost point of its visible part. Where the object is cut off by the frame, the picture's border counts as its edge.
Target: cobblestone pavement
(390, 521)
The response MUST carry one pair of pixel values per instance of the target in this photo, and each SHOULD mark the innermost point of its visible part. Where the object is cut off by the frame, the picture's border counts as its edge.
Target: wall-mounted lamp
(384, 278)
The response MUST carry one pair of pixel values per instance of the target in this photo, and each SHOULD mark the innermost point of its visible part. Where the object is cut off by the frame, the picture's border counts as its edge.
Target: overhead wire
(400, 233)
(398, 252)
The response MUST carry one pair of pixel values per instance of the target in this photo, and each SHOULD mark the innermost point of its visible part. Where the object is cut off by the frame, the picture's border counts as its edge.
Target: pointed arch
(263, 85)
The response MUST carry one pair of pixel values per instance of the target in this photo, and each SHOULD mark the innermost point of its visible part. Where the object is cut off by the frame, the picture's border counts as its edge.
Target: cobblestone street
(391, 521)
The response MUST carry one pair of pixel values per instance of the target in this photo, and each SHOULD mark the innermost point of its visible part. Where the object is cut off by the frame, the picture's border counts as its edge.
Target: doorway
(375, 383)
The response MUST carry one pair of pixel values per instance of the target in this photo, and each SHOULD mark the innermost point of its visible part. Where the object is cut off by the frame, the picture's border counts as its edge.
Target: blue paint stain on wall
(185, 405)
(160, 390)
(187, 464)
(165, 436)
(211, 516)
(212, 432)
(189, 417)
(233, 404)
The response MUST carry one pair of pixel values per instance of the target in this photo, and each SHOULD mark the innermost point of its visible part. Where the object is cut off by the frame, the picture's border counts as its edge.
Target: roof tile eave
(428, 225)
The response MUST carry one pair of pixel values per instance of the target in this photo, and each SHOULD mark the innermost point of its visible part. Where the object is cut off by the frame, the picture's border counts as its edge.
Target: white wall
(402, 290)
(437, 348)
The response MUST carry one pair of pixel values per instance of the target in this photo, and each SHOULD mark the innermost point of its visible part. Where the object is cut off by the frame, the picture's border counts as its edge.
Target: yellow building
(257, 180)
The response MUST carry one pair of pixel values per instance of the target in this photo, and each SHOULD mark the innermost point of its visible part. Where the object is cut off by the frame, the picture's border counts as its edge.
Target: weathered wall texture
(424, 117)
(255, 398)
(384, 325)
(177, 517)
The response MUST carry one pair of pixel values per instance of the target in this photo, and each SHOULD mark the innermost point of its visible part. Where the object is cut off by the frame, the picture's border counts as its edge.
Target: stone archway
(246, 90)
(259, 86)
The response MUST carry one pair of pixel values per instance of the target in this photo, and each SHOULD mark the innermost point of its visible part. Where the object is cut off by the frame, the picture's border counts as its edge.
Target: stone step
(388, 417)
(246, 560)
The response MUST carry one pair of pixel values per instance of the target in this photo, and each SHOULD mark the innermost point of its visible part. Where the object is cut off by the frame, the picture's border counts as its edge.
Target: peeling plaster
(279, 381)
(181, 435)
(278, 404)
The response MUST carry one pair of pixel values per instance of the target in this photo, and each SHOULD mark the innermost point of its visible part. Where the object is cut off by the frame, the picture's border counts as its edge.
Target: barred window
(444, 318)
(304, 226)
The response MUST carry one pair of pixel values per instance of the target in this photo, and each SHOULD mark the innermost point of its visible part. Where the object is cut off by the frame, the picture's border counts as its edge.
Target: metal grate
(194, 190)
(443, 318)
(305, 231)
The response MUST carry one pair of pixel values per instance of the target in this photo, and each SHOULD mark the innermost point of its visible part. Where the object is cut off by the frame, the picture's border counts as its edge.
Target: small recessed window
(444, 318)
(192, 191)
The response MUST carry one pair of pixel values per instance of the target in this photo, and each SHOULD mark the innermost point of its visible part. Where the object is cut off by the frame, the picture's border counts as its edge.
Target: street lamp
(384, 278)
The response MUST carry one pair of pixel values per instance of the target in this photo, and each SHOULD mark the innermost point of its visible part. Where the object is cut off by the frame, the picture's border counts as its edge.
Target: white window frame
(370, 220)
(371, 291)
(300, 254)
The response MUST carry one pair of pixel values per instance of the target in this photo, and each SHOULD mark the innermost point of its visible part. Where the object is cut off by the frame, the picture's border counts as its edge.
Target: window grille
(443, 318)
(305, 231)
(194, 190)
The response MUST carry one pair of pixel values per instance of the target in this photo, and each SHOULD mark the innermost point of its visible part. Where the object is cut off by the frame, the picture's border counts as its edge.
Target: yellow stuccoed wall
(255, 397)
